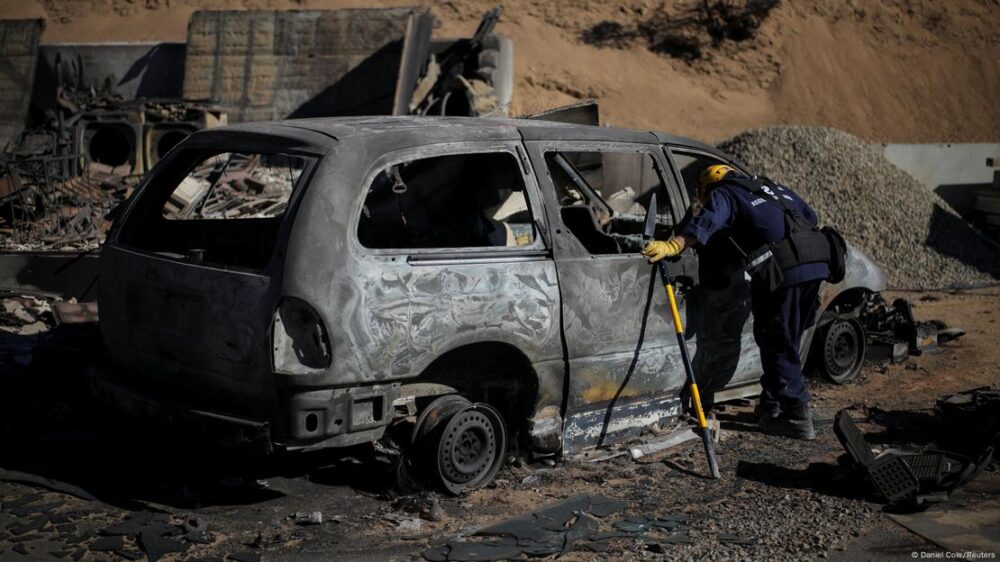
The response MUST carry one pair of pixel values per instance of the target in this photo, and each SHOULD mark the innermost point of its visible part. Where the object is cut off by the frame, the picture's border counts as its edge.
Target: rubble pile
(74, 214)
(63, 215)
(233, 186)
(906, 228)
(25, 315)
(61, 176)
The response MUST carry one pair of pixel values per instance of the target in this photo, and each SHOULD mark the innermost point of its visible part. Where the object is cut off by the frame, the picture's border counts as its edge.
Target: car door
(624, 367)
(719, 307)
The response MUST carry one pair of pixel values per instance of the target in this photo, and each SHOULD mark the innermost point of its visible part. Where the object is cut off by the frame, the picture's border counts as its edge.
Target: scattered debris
(904, 477)
(103, 544)
(54, 485)
(63, 177)
(26, 315)
(409, 525)
(671, 440)
(197, 531)
(894, 334)
(308, 518)
(557, 529)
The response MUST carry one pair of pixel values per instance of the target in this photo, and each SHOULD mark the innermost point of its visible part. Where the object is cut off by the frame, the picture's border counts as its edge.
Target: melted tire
(460, 445)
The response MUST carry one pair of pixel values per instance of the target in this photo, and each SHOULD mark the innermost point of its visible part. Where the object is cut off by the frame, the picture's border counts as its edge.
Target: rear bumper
(315, 419)
(251, 436)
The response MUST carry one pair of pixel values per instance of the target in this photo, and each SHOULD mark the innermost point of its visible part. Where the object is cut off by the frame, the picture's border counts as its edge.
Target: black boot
(796, 422)
(767, 407)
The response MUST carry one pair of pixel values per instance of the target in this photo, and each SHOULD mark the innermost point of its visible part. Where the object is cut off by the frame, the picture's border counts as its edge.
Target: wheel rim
(470, 448)
(843, 350)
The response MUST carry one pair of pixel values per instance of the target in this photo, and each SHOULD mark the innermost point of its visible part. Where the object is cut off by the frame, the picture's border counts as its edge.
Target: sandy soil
(887, 70)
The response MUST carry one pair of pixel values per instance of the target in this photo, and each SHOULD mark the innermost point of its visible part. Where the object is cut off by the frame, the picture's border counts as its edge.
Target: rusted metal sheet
(266, 65)
(18, 55)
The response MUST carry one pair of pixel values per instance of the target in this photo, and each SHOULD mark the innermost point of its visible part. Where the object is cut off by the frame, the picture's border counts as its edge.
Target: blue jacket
(751, 221)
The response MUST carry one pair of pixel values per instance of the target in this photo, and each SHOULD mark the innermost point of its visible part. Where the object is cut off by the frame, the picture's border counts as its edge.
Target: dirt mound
(905, 227)
(886, 70)
(683, 31)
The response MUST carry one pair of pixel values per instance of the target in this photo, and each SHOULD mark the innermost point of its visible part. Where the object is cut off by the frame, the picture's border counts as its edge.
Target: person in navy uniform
(787, 258)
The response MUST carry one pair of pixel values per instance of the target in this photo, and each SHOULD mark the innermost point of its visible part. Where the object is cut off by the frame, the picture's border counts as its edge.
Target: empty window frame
(235, 185)
(690, 165)
(220, 208)
(468, 200)
(604, 196)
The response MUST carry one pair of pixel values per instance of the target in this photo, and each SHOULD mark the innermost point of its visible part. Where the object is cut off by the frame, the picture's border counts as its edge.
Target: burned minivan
(466, 285)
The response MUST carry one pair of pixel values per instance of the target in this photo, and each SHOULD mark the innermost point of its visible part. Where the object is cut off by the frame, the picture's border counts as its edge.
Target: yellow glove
(658, 249)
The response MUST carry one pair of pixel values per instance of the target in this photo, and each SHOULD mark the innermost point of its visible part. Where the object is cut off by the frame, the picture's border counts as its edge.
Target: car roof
(470, 128)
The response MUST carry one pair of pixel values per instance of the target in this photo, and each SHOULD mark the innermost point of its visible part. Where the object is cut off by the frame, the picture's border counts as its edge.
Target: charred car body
(471, 277)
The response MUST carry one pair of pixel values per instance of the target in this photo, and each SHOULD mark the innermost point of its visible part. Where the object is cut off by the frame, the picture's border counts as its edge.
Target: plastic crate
(926, 467)
(892, 477)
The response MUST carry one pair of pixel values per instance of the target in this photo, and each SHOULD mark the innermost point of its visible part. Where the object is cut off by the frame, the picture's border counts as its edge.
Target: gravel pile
(906, 228)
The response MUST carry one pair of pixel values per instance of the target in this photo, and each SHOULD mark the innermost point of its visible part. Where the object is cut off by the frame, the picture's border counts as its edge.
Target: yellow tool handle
(706, 435)
(673, 309)
(702, 422)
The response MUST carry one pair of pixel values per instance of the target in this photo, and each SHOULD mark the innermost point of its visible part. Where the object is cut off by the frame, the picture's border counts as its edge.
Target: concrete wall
(274, 64)
(953, 171)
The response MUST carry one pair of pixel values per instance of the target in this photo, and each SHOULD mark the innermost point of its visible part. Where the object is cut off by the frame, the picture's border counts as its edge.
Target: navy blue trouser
(779, 318)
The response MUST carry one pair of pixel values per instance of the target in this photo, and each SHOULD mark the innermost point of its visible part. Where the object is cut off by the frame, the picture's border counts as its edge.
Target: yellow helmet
(713, 174)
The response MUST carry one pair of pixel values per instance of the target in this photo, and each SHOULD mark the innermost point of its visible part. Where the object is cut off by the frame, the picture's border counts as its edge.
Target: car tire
(841, 350)
(460, 445)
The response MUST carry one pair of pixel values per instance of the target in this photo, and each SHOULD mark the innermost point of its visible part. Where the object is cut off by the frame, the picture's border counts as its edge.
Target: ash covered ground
(778, 499)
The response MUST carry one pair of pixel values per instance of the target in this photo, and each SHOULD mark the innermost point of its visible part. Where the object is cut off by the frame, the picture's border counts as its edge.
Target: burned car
(466, 284)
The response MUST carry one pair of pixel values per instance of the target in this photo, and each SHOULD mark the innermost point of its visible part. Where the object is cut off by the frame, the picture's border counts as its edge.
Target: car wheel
(461, 445)
(842, 350)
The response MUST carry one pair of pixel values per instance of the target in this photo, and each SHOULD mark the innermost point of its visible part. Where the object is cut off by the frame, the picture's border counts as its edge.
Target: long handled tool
(706, 434)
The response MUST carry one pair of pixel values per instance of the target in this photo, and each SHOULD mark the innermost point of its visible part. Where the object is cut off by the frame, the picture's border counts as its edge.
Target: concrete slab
(953, 171)
(968, 523)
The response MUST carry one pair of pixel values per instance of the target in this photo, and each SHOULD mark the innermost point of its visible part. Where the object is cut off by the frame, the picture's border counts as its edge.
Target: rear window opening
(215, 208)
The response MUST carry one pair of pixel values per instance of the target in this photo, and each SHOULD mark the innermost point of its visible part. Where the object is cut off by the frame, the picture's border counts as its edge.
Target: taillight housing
(300, 344)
